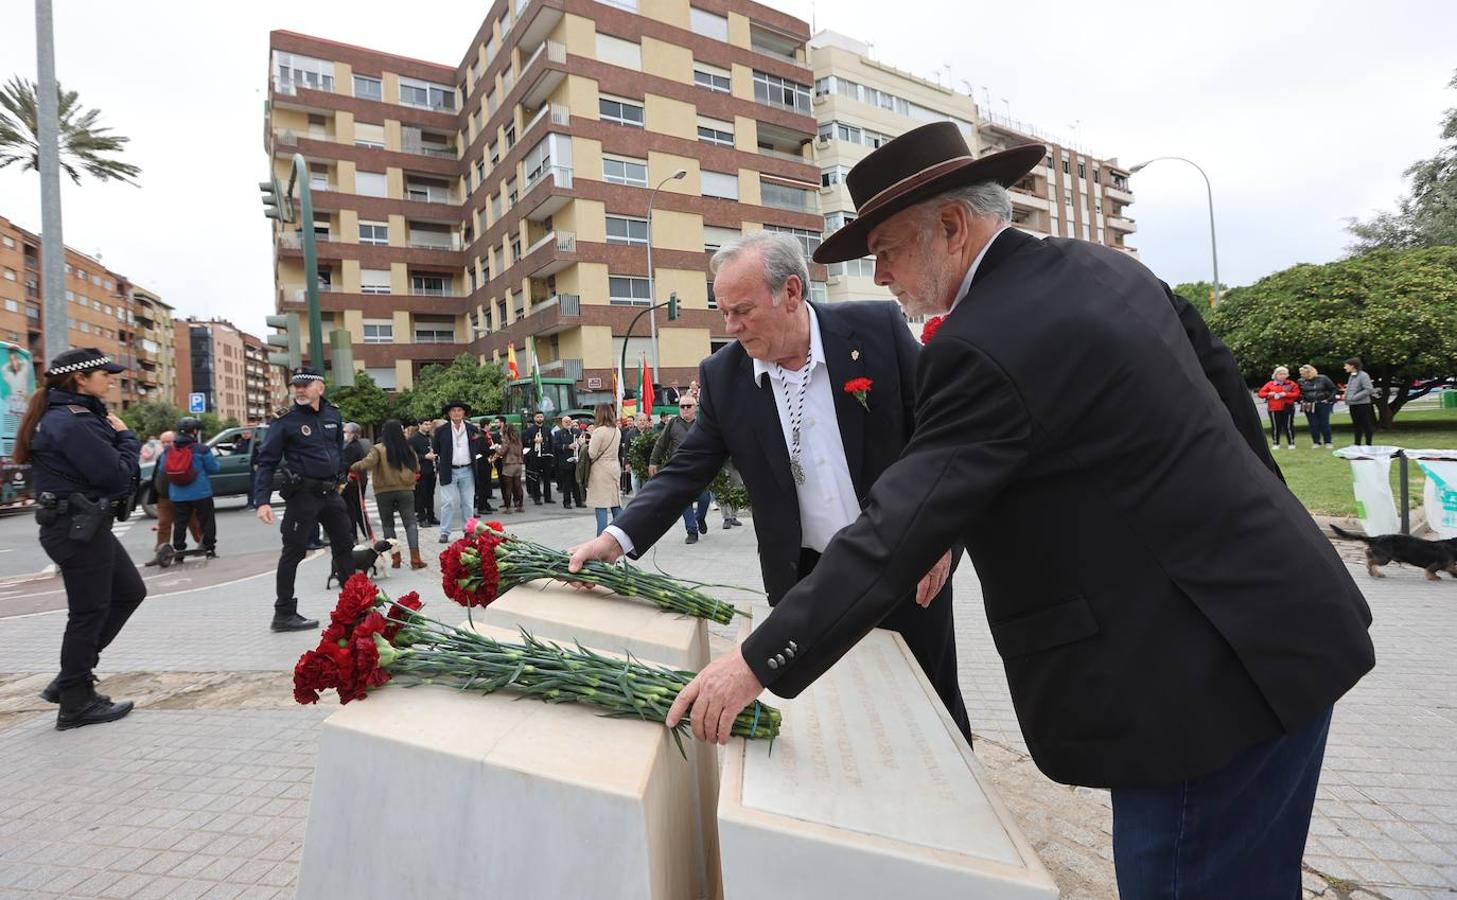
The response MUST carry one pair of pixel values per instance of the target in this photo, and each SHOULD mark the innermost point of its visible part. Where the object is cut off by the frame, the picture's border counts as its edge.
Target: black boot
(52, 691)
(286, 618)
(81, 705)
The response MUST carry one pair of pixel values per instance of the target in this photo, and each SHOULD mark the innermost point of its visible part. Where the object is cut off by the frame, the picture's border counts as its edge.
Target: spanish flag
(511, 367)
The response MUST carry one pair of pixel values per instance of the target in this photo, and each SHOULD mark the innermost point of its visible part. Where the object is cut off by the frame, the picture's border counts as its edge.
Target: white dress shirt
(460, 446)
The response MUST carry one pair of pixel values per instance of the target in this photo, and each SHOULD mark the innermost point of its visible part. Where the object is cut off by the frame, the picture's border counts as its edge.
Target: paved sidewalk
(204, 788)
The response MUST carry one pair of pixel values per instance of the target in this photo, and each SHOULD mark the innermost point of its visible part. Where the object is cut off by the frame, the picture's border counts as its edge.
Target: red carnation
(358, 597)
(314, 672)
(860, 387)
(929, 330)
(468, 573)
(401, 609)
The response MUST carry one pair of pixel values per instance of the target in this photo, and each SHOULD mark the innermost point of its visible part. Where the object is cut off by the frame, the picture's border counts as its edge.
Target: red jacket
(1290, 389)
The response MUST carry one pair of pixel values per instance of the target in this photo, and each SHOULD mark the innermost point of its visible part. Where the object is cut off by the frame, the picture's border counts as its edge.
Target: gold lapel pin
(855, 355)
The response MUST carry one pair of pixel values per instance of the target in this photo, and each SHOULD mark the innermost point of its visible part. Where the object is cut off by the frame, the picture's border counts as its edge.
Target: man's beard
(932, 300)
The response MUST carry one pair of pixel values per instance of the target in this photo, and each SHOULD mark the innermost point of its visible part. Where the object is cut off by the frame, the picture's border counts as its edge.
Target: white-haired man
(774, 402)
(1119, 524)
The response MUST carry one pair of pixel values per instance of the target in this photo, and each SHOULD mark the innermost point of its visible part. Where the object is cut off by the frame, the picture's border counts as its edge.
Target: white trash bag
(1439, 497)
(1375, 503)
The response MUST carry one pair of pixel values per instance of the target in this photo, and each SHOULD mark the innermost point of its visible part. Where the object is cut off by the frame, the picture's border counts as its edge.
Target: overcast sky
(1302, 113)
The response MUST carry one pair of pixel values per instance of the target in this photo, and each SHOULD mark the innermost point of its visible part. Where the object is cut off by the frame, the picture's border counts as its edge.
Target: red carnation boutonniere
(860, 387)
(929, 330)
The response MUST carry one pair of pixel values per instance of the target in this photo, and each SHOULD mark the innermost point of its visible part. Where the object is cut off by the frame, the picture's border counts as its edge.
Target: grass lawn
(1323, 482)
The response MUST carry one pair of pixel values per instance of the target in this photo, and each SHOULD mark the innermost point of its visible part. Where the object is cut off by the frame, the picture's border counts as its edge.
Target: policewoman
(84, 462)
(305, 446)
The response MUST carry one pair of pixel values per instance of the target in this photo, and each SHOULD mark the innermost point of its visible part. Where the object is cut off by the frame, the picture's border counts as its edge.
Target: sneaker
(1276, 447)
(702, 527)
(692, 538)
(735, 522)
(445, 539)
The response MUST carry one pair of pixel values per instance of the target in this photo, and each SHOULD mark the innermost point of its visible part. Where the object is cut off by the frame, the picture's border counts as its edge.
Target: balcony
(553, 252)
(1028, 201)
(784, 197)
(1119, 194)
(540, 78)
(1117, 223)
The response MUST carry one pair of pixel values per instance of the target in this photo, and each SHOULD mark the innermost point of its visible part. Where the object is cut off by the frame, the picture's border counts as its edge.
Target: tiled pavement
(174, 802)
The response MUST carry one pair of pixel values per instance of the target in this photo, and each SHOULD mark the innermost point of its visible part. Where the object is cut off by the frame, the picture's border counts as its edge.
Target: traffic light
(341, 357)
(286, 337)
(276, 204)
(673, 307)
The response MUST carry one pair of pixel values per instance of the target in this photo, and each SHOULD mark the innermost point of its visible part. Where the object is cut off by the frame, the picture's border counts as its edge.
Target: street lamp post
(652, 282)
(1209, 190)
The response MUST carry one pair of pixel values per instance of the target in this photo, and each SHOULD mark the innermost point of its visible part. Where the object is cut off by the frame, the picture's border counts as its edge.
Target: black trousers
(206, 516)
(484, 489)
(303, 513)
(103, 589)
(538, 478)
(930, 634)
(425, 497)
(1363, 417)
(566, 482)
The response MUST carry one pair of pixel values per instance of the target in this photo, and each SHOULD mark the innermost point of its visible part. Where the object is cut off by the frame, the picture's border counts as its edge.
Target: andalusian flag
(511, 367)
(535, 370)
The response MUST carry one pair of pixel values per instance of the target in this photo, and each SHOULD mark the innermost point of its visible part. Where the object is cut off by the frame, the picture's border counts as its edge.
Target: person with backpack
(162, 498)
(187, 466)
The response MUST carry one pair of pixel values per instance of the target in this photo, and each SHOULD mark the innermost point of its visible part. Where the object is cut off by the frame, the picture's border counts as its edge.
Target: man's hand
(717, 695)
(604, 547)
(265, 514)
(933, 581)
(652, 471)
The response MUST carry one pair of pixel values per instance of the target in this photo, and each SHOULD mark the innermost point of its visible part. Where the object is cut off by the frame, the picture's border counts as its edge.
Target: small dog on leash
(1432, 556)
(366, 559)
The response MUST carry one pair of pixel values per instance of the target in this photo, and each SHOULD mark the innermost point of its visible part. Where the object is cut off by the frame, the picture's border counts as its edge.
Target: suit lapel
(764, 414)
(845, 358)
(1003, 246)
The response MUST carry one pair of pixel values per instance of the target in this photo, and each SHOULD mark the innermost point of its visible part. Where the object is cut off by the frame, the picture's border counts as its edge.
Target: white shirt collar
(971, 272)
(816, 350)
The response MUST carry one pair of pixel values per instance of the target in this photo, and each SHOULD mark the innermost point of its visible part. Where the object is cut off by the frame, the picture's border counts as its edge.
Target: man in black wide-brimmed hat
(456, 444)
(1119, 524)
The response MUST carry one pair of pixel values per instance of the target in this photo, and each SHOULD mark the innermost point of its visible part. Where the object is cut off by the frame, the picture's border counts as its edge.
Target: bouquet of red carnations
(487, 562)
(373, 640)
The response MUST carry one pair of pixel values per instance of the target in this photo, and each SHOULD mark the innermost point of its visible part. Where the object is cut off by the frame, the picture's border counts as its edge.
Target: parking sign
(196, 403)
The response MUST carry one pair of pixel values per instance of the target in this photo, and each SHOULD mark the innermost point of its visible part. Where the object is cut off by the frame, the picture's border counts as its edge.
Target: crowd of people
(1315, 395)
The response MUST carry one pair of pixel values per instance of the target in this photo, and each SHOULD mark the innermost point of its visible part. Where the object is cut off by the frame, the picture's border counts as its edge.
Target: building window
(510, 137)
(833, 175)
(819, 292)
(430, 285)
(10, 276)
(629, 5)
(379, 332)
(715, 237)
(11, 305)
(712, 78)
(423, 93)
(715, 132)
(808, 240)
(781, 196)
(1082, 171)
(434, 332)
(371, 184)
(708, 24)
(623, 290)
(292, 71)
(366, 88)
(618, 52)
(861, 268)
(1066, 167)
(631, 172)
(712, 297)
(781, 93)
(376, 233)
(369, 136)
(623, 112)
(374, 281)
(719, 184)
(625, 230)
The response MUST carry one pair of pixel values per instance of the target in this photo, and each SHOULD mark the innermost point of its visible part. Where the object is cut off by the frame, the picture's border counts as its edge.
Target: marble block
(602, 621)
(428, 792)
(869, 792)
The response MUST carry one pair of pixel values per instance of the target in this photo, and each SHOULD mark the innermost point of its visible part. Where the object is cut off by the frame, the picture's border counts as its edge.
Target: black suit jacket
(445, 453)
(1092, 444)
(738, 419)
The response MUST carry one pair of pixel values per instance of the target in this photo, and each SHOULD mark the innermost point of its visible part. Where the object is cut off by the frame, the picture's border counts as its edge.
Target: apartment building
(263, 383)
(98, 304)
(218, 367)
(506, 199)
(155, 344)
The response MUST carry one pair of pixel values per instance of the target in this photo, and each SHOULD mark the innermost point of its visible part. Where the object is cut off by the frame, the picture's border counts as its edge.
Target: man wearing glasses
(695, 516)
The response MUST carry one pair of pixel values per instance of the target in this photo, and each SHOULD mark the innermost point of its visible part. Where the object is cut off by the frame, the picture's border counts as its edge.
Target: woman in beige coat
(604, 480)
(396, 469)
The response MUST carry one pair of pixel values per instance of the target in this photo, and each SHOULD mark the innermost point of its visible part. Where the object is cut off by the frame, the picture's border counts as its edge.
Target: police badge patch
(305, 430)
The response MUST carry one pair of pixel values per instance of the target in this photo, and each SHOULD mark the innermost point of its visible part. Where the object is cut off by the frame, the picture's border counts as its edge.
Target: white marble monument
(427, 792)
(869, 792)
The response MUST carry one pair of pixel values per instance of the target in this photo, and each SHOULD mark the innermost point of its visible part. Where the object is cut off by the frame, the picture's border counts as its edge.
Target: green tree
(211, 425)
(1427, 217)
(150, 418)
(1395, 309)
(365, 402)
(464, 379)
(1198, 293)
(85, 146)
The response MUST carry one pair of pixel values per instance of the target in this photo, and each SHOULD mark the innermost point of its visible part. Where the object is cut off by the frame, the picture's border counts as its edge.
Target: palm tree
(84, 145)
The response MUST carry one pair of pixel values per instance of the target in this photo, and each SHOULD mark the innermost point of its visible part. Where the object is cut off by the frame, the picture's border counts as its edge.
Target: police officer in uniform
(84, 461)
(308, 441)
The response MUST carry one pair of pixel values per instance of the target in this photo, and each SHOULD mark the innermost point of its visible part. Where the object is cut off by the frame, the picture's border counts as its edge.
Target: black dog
(1433, 556)
(366, 559)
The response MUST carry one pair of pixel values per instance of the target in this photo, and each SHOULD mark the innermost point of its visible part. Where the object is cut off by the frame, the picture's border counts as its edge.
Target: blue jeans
(1320, 423)
(602, 516)
(458, 496)
(692, 520)
(1236, 832)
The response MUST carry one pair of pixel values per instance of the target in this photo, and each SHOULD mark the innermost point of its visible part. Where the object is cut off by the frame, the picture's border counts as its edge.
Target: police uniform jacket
(76, 451)
(309, 442)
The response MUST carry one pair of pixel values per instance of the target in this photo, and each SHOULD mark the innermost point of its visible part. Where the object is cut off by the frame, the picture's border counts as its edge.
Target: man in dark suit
(1120, 525)
(566, 440)
(420, 442)
(456, 443)
(808, 452)
(540, 463)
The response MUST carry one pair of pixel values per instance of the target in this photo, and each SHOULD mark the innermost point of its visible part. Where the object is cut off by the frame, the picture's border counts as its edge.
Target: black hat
(445, 410)
(83, 359)
(189, 424)
(917, 166)
(303, 375)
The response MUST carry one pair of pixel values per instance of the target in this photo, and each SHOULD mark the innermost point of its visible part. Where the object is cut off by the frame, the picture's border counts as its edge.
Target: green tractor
(558, 398)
